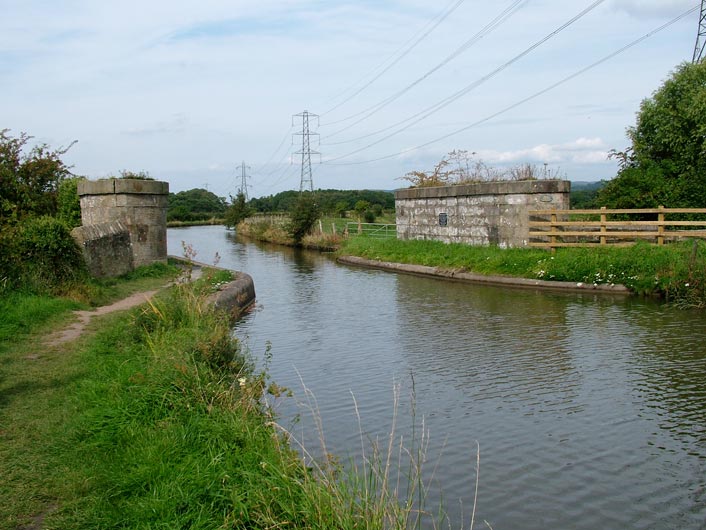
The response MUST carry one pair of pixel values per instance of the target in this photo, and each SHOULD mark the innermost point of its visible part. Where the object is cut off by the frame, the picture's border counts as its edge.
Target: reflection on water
(590, 412)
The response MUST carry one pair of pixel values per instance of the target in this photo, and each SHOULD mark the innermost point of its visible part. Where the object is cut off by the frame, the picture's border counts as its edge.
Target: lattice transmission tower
(701, 36)
(307, 182)
(243, 188)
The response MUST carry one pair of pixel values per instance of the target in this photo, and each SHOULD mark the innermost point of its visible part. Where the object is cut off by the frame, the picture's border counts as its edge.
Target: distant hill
(584, 194)
(586, 185)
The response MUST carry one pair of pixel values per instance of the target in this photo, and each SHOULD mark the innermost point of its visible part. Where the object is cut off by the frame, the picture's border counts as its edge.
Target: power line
(306, 152)
(284, 139)
(486, 30)
(422, 115)
(435, 23)
(529, 98)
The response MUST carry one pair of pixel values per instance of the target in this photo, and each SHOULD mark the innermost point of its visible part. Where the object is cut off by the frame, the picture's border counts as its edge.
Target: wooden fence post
(604, 229)
(660, 227)
(552, 238)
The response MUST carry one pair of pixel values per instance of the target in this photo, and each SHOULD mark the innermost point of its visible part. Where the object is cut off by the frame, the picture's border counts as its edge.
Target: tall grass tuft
(386, 486)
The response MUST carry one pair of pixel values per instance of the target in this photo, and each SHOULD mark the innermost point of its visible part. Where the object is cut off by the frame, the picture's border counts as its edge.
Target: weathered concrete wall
(106, 248)
(140, 204)
(483, 213)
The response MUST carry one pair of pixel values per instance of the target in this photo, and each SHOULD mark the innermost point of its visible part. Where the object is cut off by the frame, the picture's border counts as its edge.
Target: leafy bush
(68, 206)
(237, 211)
(29, 179)
(39, 256)
(664, 164)
(303, 216)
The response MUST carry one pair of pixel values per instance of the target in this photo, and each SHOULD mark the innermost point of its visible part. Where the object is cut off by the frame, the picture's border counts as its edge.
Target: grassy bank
(675, 271)
(273, 233)
(156, 420)
(201, 222)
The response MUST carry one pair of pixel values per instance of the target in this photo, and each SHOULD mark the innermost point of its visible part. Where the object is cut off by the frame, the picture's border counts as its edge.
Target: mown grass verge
(157, 420)
(676, 271)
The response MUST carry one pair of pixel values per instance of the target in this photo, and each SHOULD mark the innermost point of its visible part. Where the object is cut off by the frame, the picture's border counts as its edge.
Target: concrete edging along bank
(235, 296)
(470, 277)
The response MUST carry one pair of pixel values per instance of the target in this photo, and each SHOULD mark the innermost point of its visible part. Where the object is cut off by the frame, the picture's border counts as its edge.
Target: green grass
(676, 271)
(155, 419)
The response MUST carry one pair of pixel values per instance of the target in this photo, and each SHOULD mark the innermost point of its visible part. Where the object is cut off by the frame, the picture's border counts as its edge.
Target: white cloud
(579, 151)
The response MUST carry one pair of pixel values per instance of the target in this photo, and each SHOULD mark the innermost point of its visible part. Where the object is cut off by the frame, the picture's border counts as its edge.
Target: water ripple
(590, 412)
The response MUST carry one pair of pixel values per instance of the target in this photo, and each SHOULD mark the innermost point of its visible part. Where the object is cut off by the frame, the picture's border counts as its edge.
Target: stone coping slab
(465, 276)
(122, 186)
(500, 187)
(233, 297)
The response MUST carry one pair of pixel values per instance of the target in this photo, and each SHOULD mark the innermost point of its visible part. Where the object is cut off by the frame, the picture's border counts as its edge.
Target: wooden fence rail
(591, 228)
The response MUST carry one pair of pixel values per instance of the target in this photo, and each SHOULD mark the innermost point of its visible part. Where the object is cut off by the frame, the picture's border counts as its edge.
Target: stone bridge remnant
(141, 208)
(481, 213)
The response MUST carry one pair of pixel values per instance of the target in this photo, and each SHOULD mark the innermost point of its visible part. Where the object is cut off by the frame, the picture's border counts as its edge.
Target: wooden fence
(592, 228)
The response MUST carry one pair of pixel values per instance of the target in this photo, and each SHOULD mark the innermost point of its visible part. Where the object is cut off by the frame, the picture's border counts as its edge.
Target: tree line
(665, 164)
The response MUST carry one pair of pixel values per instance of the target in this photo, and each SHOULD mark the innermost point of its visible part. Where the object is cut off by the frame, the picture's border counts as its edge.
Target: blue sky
(188, 90)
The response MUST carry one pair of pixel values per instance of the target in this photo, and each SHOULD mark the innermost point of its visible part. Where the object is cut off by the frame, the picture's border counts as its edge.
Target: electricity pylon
(306, 182)
(701, 36)
(244, 180)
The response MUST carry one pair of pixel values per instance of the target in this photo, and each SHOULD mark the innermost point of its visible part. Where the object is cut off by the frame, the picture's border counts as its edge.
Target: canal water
(588, 411)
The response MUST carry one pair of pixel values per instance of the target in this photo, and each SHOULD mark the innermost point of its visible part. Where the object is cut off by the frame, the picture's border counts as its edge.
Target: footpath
(76, 329)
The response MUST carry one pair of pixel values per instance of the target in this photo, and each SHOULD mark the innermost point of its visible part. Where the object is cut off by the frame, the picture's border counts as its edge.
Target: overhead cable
(529, 98)
(405, 51)
(486, 30)
(422, 115)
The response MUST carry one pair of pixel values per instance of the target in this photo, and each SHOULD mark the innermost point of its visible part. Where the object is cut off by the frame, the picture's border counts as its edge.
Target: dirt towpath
(76, 329)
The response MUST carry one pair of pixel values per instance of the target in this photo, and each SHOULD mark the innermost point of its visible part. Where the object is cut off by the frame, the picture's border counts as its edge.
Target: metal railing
(375, 230)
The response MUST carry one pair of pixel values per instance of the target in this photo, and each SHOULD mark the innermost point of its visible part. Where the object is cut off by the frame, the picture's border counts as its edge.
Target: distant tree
(195, 204)
(329, 201)
(361, 207)
(29, 179)
(584, 196)
(341, 209)
(303, 216)
(238, 211)
(666, 161)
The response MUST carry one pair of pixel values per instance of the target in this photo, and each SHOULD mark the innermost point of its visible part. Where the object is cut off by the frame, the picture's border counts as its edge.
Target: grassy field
(675, 271)
(155, 418)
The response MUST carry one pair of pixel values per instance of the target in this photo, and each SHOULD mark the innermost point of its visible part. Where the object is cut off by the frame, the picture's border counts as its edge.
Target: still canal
(589, 411)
